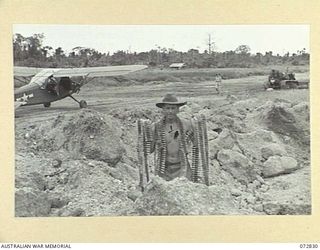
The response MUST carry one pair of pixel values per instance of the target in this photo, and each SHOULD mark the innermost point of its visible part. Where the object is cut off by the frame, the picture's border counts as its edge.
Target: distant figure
(272, 74)
(291, 76)
(218, 80)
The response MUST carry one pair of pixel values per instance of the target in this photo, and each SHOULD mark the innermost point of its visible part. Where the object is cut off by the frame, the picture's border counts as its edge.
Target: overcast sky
(279, 39)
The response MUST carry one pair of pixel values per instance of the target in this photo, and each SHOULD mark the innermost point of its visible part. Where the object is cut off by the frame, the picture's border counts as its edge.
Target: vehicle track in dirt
(105, 98)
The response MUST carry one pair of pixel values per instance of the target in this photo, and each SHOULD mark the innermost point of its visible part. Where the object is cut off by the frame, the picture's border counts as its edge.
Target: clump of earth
(84, 163)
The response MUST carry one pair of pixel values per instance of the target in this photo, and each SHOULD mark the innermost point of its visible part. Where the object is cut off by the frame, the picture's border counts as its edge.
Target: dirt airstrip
(72, 162)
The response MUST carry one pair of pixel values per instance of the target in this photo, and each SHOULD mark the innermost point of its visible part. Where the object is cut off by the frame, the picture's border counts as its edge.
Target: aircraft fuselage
(49, 91)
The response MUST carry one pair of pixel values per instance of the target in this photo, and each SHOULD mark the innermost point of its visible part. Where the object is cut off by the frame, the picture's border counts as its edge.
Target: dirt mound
(91, 188)
(289, 193)
(73, 188)
(85, 163)
(127, 115)
(287, 120)
(85, 133)
(182, 197)
(30, 198)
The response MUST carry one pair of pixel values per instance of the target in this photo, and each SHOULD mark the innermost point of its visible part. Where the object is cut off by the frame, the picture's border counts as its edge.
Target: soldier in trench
(170, 138)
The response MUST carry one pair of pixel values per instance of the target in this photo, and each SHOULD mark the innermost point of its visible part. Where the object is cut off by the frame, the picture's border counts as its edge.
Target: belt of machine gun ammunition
(139, 151)
(195, 155)
(200, 153)
(163, 148)
(146, 147)
(206, 146)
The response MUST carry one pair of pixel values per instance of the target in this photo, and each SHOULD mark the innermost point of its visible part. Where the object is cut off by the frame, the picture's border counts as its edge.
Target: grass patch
(154, 76)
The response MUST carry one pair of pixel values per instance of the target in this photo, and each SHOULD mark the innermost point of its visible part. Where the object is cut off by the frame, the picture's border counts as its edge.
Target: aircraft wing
(70, 72)
(98, 71)
(25, 71)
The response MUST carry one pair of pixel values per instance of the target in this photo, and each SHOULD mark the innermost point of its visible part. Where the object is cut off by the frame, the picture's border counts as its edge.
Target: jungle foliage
(30, 51)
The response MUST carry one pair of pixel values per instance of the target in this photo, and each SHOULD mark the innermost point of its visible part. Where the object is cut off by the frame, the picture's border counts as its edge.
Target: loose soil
(72, 162)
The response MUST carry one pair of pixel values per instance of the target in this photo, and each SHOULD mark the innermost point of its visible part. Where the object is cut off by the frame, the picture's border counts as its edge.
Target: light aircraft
(48, 85)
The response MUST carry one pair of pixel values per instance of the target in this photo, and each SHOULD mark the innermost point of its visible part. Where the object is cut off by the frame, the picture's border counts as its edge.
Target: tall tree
(210, 43)
(243, 50)
(45, 50)
(34, 44)
(18, 46)
(59, 53)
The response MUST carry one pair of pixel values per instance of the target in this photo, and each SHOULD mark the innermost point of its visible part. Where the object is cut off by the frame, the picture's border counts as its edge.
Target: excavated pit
(84, 163)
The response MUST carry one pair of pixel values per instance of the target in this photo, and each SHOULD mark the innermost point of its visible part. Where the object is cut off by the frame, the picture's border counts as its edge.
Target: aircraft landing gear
(47, 104)
(82, 103)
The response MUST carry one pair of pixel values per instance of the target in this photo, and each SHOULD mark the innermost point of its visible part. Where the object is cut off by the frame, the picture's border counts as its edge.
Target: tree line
(30, 51)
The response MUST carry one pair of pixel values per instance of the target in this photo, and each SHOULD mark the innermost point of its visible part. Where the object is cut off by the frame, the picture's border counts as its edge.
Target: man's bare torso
(172, 136)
